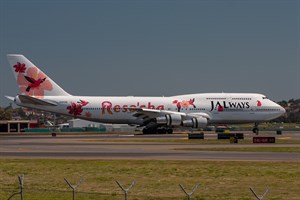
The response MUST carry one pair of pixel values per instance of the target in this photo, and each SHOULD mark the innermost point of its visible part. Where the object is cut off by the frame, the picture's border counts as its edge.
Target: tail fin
(31, 80)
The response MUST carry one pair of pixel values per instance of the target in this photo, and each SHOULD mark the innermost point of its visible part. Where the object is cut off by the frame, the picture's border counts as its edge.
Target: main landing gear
(157, 130)
(255, 129)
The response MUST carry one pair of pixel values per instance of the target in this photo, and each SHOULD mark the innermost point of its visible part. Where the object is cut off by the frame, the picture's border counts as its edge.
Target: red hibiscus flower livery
(88, 114)
(184, 104)
(34, 83)
(76, 108)
(20, 67)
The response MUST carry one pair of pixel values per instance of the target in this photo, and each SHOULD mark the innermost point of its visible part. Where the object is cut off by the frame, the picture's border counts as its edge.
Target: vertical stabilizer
(31, 80)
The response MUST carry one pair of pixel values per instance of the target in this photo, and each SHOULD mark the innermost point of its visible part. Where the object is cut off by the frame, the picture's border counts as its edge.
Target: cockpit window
(265, 98)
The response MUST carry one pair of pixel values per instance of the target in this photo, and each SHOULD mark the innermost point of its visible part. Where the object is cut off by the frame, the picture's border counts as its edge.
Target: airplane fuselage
(219, 107)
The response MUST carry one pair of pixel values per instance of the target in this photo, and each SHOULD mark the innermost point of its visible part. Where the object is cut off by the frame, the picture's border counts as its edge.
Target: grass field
(226, 180)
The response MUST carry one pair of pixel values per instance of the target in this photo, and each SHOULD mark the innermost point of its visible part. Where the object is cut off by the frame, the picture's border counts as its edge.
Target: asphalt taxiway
(129, 146)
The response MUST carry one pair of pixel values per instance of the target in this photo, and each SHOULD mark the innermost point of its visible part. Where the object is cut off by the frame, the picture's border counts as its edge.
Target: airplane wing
(148, 115)
(145, 113)
(152, 113)
(201, 114)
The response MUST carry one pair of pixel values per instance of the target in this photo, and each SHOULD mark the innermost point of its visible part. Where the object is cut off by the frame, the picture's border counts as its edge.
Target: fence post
(259, 197)
(21, 183)
(73, 187)
(189, 194)
(126, 190)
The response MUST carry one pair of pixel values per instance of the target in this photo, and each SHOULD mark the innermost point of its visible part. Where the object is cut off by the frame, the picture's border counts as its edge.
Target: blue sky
(156, 48)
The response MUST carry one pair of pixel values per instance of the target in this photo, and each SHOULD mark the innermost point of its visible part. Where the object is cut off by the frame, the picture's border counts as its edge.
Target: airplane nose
(282, 110)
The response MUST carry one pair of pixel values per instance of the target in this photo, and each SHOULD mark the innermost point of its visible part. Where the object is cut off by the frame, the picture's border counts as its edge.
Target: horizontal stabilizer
(10, 98)
(31, 100)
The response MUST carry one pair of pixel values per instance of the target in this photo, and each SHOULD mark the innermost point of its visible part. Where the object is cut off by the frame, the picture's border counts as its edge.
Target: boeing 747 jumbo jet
(156, 114)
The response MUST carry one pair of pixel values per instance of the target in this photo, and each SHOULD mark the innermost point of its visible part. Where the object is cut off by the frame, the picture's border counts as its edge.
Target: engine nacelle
(199, 122)
(169, 120)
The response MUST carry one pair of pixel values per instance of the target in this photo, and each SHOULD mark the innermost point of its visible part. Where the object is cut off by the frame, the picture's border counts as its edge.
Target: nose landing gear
(255, 129)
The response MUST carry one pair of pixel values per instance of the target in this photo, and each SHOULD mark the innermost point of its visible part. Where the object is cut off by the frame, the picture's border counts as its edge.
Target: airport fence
(58, 194)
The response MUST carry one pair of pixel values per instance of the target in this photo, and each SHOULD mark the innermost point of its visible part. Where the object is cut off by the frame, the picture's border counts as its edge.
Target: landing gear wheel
(255, 130)
(169, 131)
(146, 131)
(161, 131)
(150, 131)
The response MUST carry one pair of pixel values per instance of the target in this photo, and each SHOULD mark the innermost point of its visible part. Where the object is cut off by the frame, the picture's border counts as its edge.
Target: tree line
(292, 111)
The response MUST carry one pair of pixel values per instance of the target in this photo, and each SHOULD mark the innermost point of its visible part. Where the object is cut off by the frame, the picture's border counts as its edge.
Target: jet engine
(169, 120)
(176, 120)
(199, 122)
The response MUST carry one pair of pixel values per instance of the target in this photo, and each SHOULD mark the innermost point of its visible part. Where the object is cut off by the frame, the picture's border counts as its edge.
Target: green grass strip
(219, 180)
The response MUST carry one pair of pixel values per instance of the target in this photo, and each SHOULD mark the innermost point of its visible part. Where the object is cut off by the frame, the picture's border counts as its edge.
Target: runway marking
(132, 135)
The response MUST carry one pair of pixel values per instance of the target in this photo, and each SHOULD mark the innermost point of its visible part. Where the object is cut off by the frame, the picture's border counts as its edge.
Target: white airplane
(156, 114)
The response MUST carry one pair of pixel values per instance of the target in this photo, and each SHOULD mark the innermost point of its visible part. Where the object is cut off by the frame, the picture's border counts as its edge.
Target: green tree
(20, 112)
(5, 114)
(283, 103)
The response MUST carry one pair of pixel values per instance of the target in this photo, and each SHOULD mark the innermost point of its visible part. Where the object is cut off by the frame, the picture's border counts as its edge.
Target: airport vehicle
(155, 114)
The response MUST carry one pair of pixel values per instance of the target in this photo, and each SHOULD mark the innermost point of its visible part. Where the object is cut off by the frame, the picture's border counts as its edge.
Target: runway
(138, 147)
